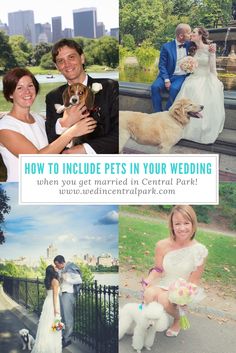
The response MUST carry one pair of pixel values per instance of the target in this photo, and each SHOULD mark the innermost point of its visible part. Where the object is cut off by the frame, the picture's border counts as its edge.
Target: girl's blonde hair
(188, 213)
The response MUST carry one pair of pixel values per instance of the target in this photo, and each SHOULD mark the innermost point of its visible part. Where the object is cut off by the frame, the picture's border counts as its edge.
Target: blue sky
(74, 230)
(107, 10)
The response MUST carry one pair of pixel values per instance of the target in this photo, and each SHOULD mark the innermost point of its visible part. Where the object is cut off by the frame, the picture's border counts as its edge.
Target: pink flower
(188, 64)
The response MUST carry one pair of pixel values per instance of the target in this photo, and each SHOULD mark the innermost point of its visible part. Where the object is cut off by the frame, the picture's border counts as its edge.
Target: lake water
(47, 84)
(111, 279)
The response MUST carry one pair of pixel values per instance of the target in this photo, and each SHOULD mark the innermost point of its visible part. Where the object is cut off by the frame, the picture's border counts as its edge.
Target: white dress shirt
(68, 280)
(181, 53)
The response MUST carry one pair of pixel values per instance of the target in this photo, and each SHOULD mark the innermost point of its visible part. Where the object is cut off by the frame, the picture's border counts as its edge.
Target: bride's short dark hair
(188, 213)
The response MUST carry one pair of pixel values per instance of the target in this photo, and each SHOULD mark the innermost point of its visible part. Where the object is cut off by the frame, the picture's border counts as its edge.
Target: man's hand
(79, 149)
(167, 85)
(212, 48)
(73, 114)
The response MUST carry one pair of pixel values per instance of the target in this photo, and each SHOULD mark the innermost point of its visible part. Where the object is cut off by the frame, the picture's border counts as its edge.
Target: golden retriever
(163, 129)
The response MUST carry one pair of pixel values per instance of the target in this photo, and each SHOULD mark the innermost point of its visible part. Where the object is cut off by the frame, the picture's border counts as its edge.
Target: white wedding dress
(47, 340)
(36, 133)
(181, 263)
(204, 88)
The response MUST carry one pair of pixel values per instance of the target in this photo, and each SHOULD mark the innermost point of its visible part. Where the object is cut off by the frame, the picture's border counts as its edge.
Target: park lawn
(137, 239)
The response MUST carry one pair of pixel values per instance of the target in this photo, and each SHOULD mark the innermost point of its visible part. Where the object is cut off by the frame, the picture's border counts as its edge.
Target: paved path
(204, 336)
(13, 317)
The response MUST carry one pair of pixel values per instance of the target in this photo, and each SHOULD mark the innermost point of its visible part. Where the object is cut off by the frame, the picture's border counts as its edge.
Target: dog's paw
(148, 348)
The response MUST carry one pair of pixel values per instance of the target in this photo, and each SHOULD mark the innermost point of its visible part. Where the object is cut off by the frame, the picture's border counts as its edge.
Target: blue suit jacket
(168, 57)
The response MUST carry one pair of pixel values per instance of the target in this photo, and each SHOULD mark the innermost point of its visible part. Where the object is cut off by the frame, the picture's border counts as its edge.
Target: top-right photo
(178, 79)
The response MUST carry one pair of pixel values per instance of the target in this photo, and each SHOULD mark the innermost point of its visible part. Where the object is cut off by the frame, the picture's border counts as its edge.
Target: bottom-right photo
(178, 277)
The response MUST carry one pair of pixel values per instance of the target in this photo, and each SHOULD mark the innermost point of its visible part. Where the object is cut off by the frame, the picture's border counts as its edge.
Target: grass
(37, 70)
(137, 244)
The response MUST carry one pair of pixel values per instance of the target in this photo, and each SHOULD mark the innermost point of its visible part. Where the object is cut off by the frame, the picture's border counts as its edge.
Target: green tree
(143, 19)
(129, 42)
(46, 62)
(146, 55)
(39, 50)
(22, 50)
(108, 51)
(7, 59)
(4, 209)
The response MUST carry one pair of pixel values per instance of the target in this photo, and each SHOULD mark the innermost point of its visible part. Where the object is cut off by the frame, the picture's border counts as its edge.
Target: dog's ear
(66, 97)
(178, 112)
(89, 100)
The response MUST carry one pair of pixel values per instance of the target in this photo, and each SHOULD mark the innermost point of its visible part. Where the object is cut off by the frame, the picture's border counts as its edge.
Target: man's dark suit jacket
(104, 139)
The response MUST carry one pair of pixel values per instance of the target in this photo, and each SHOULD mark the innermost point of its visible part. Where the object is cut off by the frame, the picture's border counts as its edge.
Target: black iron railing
(96, 310)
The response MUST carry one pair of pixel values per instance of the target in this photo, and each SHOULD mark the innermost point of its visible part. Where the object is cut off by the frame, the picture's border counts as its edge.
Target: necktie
(181, 46)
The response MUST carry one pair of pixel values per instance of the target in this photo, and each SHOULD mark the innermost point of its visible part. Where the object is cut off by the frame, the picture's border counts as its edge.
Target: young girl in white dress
(204, 88)
(47, 340)
(23, 132)
(179, 256)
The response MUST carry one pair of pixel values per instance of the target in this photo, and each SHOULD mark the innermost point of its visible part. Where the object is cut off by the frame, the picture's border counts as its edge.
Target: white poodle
(142, 321)
(27, 339)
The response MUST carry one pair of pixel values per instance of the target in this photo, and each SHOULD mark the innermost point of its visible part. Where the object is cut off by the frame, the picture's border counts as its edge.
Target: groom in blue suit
(171, 77)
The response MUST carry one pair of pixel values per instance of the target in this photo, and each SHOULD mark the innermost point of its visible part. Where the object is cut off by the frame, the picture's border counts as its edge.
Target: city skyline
(74, 230)
(107, 11)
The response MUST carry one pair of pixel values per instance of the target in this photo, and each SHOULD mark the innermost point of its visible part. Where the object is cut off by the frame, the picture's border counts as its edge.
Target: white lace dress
(47, 340)
(35, 133)
(204, 88)
(181, 263)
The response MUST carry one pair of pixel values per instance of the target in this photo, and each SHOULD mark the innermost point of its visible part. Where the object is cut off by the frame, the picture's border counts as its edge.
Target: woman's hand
(84, 126)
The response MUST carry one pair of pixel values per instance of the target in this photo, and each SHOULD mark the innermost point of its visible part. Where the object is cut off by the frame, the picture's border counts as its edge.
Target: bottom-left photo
(58, 277)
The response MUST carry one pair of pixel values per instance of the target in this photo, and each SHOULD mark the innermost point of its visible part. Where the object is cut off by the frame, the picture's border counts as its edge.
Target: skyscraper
(100, 29)
(22, 23)
(85, 22)
(56, 29)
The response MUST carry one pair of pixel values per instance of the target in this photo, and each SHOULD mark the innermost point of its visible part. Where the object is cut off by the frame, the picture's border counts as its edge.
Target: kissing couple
(55, 328)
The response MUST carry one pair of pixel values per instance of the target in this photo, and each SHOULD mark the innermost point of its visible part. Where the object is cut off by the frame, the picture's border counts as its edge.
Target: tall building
(56, 29)
(51, 251)
(47, 30)
(100, 29)
(85, 22)
(22, 23)
(67, 33)
(115, 33)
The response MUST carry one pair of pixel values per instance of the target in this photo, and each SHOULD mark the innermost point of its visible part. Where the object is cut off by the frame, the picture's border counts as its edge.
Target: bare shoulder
(162, 245)
(55, 283)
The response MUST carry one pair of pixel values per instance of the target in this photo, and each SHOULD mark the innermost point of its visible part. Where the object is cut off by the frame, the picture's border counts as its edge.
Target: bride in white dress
(179, 256)
(204, 88)
(47, 340)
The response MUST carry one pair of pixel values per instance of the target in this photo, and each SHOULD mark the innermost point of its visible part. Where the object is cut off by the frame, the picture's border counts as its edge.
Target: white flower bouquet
(182, 293)
(188, 64)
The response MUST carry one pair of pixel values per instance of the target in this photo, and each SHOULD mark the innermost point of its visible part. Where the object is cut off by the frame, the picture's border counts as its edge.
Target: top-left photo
(58, 80)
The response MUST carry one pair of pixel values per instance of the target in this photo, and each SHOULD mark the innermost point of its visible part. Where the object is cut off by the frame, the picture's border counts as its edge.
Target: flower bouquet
(182, 293)
(188, 64)
(57, 324)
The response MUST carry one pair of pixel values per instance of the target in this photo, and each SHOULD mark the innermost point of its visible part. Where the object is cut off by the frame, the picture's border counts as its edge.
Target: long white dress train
(204, 88)
(47, 340)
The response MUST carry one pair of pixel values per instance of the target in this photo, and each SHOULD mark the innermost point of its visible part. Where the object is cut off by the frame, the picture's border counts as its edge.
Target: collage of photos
(118, 78)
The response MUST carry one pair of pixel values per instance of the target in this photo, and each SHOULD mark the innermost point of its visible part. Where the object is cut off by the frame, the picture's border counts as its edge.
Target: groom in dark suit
(69, 59)
(170, 76)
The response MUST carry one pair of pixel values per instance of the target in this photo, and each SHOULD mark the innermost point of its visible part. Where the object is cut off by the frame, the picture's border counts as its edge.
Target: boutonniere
(96, 87)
